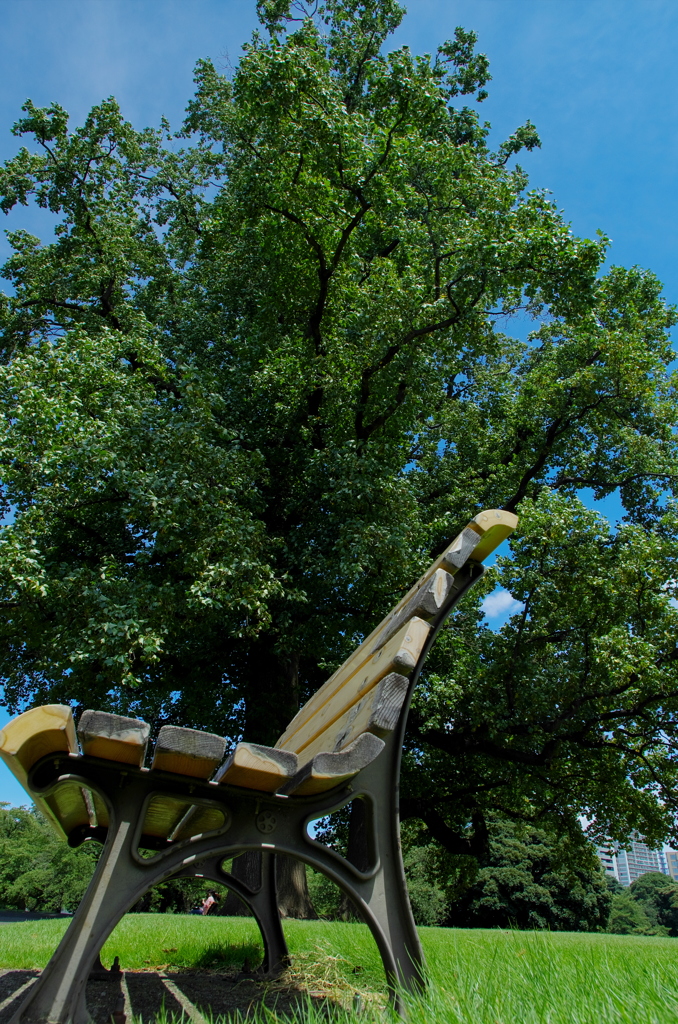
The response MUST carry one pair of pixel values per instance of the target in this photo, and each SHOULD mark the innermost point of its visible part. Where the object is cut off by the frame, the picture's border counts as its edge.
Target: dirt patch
(219, 995)
(209, 993)
(11, 982)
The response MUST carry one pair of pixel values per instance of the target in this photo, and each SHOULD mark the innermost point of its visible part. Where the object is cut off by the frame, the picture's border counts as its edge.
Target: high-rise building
(627, 865)
(672, 864)
(608, 859)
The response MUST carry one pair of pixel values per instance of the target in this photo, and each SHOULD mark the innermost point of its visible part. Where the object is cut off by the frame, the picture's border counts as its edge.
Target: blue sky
(599, 78)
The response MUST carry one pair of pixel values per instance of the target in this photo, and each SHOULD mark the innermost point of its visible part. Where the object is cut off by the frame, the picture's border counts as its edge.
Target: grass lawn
(477, 977)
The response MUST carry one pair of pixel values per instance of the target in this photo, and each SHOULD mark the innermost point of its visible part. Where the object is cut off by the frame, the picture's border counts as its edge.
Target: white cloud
(500, 603)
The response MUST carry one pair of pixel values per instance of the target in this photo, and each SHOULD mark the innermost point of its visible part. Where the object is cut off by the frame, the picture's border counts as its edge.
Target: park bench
(190, 811)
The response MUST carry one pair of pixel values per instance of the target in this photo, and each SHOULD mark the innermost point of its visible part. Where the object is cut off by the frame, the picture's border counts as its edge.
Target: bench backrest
(342, 708)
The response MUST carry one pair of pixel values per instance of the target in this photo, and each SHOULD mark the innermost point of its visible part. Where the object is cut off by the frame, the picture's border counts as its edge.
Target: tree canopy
(38, 871)
(528, 883)
(270, 365)
(648, 907)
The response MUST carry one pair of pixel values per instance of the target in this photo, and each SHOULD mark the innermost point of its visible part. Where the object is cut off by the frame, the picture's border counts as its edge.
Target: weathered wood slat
(425, 604)
(68, 805)
(377, 712)
(400, 654)
(163, 814)
(325, 771)
(476, 541)
(34, 734)
(113, 737)
(188, 751)
(253, 766)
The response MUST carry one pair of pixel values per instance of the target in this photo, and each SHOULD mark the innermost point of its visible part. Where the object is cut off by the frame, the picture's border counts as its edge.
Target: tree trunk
(271, 691)
(358, 854)
(292, 886)
(247, 869)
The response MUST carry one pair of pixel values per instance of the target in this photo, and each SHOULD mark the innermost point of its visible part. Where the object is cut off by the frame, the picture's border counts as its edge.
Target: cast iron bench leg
(262, 902)
(58, 997)
(59, 994)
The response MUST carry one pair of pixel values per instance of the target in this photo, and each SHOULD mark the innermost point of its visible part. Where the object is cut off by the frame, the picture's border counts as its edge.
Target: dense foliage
(265, 370)
(648, 907)
(38, 871)
(531, 882)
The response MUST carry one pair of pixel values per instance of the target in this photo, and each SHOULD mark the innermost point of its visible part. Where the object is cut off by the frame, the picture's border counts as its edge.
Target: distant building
(609, 861)
(628, 865)
(672, 863)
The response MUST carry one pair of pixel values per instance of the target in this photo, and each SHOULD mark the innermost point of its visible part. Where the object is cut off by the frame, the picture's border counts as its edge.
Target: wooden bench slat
(325, 770)
(34, 734)
(400, 654)
(163, 814)
(188, 751)
(425, 604)
(113, 737)
(254, 766)
(495, 525)
(377, 712)
(69, 807)
(476, 541)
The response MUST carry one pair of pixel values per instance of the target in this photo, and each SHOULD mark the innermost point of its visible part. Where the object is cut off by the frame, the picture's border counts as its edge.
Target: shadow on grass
(246, 956)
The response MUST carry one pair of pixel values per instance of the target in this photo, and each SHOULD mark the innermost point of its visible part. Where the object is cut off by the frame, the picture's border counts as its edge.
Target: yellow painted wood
(496, 525)
(493, 525)
(34, 734)
(68, 806)
(100, 810)
(251, 769)
(426, 603)
(115, 750)
(204, 818)
(174, 818)
(319, 783)
(362, 717)
(188, 751)
(163, 814)
(113, 737)
(182, 764)
(399, 655)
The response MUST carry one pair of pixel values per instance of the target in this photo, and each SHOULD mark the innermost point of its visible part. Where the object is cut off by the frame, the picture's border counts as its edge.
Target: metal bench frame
(267, 822)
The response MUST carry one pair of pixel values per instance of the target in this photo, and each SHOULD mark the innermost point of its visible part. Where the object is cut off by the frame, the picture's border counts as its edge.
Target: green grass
(477, 977)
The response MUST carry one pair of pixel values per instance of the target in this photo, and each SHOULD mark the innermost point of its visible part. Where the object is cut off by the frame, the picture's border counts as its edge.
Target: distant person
(209, 902)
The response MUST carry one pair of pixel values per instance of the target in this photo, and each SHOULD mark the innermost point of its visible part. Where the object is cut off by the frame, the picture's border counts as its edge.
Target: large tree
(528, 883)
(265, 371)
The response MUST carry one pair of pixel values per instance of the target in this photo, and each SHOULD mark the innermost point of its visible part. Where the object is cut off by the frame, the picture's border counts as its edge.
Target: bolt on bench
(186, 815)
